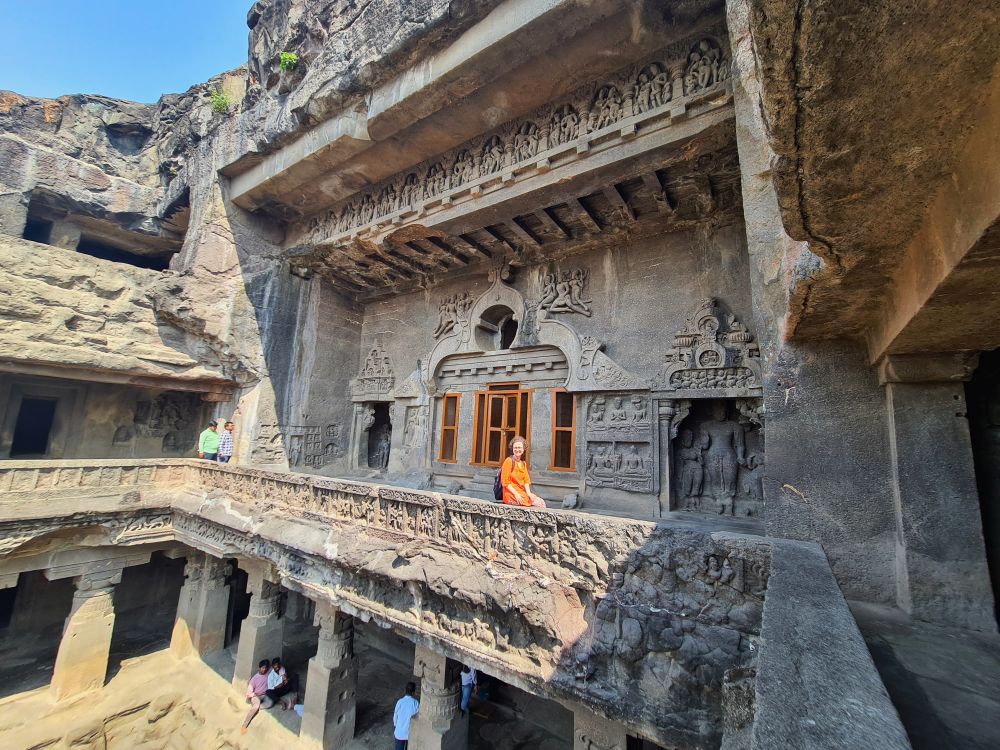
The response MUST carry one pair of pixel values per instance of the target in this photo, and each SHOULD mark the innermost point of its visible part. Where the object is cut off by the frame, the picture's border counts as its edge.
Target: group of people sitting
(270, 685)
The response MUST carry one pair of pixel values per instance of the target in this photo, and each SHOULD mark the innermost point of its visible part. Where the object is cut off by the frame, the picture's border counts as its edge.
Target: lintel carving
(713, 356)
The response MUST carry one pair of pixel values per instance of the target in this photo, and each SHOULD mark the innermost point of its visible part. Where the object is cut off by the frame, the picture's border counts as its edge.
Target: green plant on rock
(289, 61)
(220, 102)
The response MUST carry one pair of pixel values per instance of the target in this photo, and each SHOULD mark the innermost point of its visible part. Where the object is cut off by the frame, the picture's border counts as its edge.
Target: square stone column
(200, 627)
(941, 572)
(439, 724)
(593, 732)
(82, 661)
(331, 688)
(260, 633)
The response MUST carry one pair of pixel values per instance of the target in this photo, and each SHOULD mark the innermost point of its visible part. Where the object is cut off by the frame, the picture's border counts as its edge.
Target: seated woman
(514, 477)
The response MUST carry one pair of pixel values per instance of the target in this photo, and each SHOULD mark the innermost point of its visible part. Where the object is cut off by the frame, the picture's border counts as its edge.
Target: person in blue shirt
(406, 709)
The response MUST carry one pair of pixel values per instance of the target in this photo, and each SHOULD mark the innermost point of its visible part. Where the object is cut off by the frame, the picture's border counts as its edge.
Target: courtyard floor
(945, 683)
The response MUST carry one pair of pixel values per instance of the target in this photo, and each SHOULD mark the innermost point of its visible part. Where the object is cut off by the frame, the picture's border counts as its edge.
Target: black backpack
(498, 487)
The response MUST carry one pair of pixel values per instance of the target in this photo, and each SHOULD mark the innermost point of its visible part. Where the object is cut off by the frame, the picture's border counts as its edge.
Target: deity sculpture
(526, 142)
(724, 456)
(492, 157)
(436, 182)
(640, 412)
(617, 415)
(464, 169)
(595, 415)
(691, 471)
(382, 448)
(565, 293)
(632, 462)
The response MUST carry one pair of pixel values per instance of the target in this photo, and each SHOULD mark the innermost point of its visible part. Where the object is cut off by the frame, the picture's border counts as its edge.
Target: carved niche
(713, 356)
(375, 381)
(718, 458)
(170, 417)
(619, 433)
(307, 445)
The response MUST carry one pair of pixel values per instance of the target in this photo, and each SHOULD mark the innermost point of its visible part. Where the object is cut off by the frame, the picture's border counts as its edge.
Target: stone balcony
(684, 636)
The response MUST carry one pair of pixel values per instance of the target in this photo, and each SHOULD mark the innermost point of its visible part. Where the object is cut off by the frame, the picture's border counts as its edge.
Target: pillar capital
(948, 367)
(336, 635)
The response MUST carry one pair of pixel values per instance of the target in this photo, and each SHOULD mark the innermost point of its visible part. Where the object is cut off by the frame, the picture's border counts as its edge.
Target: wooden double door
(502, 411)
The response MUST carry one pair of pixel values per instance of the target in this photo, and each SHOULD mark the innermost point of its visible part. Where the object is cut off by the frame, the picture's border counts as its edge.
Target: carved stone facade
(596, 112)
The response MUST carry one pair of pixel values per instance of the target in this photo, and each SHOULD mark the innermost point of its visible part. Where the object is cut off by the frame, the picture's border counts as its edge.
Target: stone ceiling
(867, 105)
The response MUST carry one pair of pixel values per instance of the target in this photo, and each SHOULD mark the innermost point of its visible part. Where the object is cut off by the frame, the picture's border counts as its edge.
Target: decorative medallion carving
(713, 355)
(375, 381)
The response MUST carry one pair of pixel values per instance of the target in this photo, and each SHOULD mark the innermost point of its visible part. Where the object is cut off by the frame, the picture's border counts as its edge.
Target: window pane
(564, 410)
(480, 421)
(448, 445)
(493, 452)
(450, 409)
(522, 424)
(496, 411)
(563, 450)
(504, 386)
(511, 412)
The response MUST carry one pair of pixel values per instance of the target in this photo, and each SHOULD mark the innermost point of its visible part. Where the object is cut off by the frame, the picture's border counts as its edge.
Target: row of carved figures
(707, 65)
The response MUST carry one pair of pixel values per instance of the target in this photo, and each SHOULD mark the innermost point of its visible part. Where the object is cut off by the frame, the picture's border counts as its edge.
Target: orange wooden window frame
(481, 428)
(556, 429)
(452, 428)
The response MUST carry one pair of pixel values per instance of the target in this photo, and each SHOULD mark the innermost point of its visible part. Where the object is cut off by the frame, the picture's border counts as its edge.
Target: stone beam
(508, 64)
(309, 157)
(944, 289)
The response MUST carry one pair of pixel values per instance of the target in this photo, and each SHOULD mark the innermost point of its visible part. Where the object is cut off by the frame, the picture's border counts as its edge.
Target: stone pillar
(82, 661)
(941, 572)
(328, 719)
(260, 634)
(593, 732)
(200, 627)
(438, 725)
(666, 411)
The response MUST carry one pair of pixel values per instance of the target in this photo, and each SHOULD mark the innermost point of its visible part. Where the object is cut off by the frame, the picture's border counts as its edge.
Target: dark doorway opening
(34, 423)
(7, 606)
(508, 332)
(38, 230)
(96, 249)
(983, 403)
(379, 438)
(145, 609)
(239, 603)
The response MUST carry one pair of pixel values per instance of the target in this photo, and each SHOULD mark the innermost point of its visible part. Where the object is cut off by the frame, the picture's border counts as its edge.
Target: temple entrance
(379, 437)
(983, 403)
(502, 411)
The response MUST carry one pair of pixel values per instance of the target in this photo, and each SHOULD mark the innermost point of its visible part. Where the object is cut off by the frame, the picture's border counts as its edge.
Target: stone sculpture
(563, 293)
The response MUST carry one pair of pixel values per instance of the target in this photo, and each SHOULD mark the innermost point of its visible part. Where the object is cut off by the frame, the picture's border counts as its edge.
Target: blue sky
(127, 49)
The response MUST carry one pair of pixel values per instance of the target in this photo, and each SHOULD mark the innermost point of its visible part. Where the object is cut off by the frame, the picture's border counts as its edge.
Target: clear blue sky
(127, 49)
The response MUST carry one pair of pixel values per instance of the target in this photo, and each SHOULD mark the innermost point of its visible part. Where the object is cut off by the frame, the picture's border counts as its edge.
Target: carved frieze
(714, 355)
(375, 381)
(453, 311)
(634, 97)
(303, 445)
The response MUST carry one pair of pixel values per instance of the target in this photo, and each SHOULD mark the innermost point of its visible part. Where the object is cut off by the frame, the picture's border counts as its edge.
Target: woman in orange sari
(514, 477)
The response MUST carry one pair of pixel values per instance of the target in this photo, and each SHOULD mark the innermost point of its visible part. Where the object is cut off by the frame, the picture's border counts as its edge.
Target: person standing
(226, 443)
(257, 693)
(468, 687)
(515, 479)
(208, 442)
(406, 708)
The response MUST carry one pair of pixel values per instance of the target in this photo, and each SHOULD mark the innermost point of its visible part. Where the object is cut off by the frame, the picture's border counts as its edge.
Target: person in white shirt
(468, 687)
(406, 708)
(279, 688)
